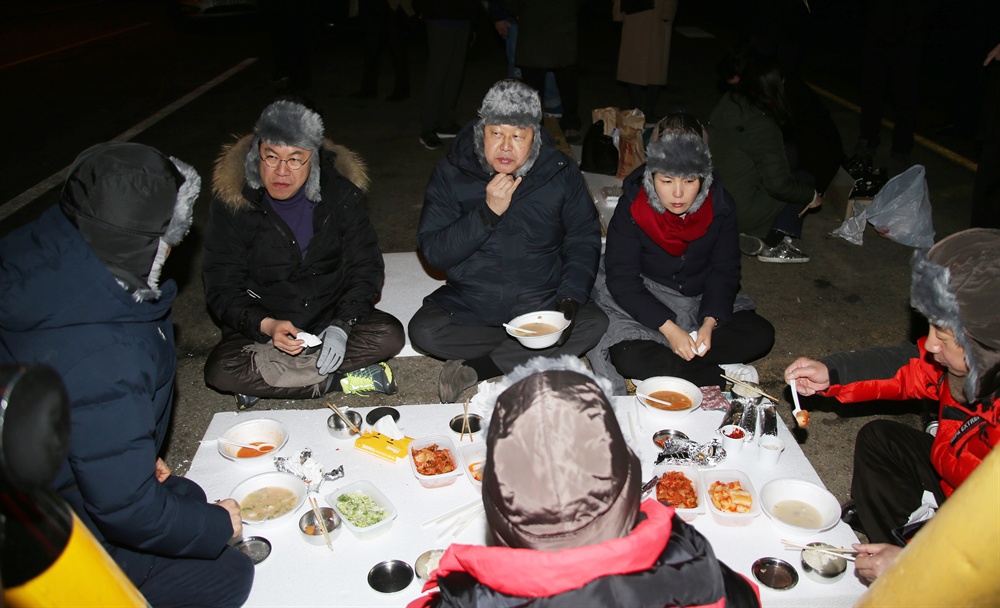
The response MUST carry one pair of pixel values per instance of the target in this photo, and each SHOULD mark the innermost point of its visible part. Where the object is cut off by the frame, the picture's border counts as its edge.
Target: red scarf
(671, 232)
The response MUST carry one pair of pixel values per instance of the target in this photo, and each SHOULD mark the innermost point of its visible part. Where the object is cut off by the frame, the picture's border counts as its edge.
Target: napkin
(310, 340)
(694, 336)
(387, 426)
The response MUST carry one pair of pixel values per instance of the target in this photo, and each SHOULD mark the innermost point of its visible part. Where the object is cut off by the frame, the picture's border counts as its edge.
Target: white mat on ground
(299, 574)
(406, 285)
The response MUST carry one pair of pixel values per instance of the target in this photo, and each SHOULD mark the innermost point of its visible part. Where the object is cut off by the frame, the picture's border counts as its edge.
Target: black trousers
(747, 337)
(568, 82)
(174, 581)
(230, 370)
(892, 468)
(433, 332)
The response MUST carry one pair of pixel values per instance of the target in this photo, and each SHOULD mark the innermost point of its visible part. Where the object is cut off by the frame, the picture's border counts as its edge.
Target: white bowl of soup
(799, 507)
(269, 498)
(682, 396)
(264, 432)
(547, 326)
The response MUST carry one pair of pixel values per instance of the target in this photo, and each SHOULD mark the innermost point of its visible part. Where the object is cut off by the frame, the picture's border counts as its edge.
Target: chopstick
(345, 418)
(462, 523)
(653, 399)
(751, 387)
(465, 423)
(847, 554)
(453, 512)
(320, 521)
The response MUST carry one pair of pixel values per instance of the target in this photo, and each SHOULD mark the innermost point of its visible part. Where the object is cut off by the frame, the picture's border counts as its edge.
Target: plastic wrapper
(749, 421)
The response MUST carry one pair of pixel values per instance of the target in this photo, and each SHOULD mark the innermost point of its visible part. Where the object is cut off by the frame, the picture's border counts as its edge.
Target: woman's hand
(282, 335)
(703, 343)
(810, 376)
(680, 342)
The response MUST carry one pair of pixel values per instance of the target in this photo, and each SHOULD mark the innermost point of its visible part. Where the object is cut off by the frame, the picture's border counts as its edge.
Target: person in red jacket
(955, 285)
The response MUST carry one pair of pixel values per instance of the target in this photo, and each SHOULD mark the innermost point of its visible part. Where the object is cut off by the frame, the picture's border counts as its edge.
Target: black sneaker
(430, 140)
(245, 402)
(448, 132)
(849, 515)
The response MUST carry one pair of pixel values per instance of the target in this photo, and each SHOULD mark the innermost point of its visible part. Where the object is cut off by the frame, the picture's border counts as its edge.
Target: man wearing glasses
(291, 260)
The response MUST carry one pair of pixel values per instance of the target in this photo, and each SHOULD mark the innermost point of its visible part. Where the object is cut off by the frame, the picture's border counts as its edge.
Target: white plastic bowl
(368, 488)
(550, 317)
(444, 479)
(789, 489)
(266, 430)
(668, 383)
(274, 479)
(728, 518)
(696, 483)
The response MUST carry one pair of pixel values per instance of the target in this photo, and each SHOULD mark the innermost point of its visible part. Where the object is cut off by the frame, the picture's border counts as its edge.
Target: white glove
(334, 345)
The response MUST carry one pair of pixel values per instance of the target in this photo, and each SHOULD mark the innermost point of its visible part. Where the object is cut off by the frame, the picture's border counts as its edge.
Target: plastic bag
(901, 211)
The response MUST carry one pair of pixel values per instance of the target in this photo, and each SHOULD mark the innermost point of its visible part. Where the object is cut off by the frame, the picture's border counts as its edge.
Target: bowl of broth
(269, 498)
(547, 326)
(799, 507)
(675, 397)
(271, 435)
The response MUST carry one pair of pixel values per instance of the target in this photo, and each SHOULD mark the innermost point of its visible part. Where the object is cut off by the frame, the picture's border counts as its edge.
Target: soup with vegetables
(677, 401)
(270, 502)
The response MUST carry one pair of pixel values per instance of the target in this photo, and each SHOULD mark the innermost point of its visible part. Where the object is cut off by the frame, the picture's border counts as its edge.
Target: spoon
(801, 415)
(529, 332)
(260, 447)
(653, 399)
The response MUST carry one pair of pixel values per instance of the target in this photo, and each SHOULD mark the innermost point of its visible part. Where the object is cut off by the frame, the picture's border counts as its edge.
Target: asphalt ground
(847, 297)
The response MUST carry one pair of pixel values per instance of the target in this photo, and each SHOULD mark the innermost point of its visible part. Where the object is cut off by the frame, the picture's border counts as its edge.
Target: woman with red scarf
(672, 269)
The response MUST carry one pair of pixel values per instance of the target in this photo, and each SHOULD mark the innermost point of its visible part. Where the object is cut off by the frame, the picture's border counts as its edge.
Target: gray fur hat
(131, 203)
(955, 285)
(678, 154)
(287, 123)
(510, 102)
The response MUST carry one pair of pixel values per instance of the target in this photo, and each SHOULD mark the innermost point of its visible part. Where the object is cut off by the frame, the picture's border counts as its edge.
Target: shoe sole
(429, 146)
(782, 260)
(446, 135)
(758, 245)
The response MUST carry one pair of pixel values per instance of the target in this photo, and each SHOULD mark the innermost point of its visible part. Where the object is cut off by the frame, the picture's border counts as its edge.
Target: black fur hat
(678, 154)
(510, 102)
(287, 123)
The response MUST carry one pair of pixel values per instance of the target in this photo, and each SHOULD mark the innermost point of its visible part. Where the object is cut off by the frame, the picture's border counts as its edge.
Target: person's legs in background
(447, 44)
(892, 468)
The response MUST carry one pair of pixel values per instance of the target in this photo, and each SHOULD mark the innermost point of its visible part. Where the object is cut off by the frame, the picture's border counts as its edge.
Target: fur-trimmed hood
(229, 175)
(955, 285)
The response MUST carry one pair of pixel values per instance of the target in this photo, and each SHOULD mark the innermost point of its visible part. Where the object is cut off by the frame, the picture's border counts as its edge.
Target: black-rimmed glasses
(293, 163)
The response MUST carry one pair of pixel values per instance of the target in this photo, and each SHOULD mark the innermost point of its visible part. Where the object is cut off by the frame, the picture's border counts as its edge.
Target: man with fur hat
(82, 294)
(290, 251)
(567, 523)
(671, 279)
(955, 286)
(509, 219)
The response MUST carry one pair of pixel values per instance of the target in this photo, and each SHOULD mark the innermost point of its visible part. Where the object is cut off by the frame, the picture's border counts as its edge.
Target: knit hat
(131, 203)
(678, 153)
(955, 285)
(510, 102)
(558, 473)
(287, 123)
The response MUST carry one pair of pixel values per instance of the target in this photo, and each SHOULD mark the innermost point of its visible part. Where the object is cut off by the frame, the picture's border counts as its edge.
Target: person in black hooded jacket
(82, 294)
(289, 249)
(509, 218)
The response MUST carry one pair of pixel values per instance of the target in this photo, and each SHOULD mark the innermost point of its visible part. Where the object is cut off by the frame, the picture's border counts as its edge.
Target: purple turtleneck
(297, 211)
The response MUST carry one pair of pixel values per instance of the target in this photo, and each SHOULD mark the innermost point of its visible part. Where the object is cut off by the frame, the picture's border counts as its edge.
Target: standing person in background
(986, 189)
(547, 41)
(644, 54)
(449, 25)
(507, 216)
(506, 28)
(384, 25)
(289, 249)
(749, 153)
(82, 294)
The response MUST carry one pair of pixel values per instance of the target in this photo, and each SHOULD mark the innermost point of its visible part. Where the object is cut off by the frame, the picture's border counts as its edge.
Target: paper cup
(769, 449)
(732, 444)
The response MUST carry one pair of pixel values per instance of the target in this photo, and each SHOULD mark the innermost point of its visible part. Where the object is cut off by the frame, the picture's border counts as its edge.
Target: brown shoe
(455, 377)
